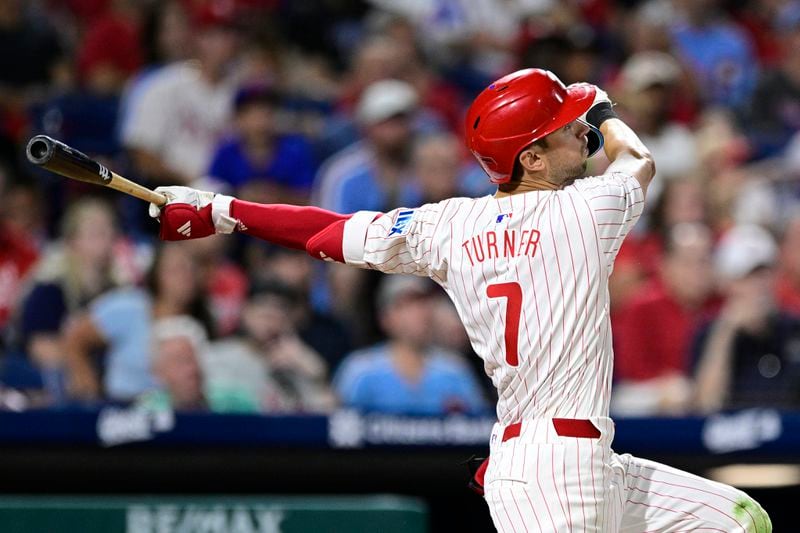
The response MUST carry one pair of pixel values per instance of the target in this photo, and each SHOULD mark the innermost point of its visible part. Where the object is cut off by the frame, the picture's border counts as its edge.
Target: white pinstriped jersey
(528, 274)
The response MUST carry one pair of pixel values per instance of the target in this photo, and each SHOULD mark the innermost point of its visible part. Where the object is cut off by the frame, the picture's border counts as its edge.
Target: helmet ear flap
(594, 140)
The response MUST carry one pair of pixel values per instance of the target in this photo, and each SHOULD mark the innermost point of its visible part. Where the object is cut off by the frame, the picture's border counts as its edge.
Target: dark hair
(288, 295)
(198, 308)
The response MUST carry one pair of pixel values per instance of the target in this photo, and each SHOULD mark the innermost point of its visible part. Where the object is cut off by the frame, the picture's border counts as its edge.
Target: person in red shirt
(653, 336)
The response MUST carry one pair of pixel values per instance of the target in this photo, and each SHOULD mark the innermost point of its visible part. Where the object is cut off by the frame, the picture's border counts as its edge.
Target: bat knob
(40, 149)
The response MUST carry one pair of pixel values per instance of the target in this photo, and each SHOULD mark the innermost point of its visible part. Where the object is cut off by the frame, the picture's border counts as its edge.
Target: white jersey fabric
(528, 275)
(179, 116)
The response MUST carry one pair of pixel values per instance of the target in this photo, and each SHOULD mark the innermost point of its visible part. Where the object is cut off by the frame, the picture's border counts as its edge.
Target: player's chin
(579, 170)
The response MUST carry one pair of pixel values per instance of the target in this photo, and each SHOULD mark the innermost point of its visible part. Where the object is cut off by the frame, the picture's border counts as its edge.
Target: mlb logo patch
(402, 224)
(502, 216)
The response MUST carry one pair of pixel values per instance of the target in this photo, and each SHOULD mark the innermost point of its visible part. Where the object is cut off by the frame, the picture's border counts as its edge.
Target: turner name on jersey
(504, 244)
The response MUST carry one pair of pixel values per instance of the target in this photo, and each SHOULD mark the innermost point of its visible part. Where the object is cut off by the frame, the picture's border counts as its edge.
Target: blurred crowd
(353, 105)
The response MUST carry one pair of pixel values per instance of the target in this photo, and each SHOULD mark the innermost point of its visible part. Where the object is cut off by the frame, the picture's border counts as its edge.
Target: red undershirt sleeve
(321, 233)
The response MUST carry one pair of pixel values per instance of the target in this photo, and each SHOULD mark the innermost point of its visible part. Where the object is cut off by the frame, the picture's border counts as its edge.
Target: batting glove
(601, 108)
(191, 214)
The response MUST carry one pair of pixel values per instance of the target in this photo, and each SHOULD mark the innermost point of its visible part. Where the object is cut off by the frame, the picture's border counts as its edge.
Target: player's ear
(531, 160)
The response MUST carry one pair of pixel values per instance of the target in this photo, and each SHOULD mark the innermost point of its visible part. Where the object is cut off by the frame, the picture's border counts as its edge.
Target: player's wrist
(221, 214)
(599, 113)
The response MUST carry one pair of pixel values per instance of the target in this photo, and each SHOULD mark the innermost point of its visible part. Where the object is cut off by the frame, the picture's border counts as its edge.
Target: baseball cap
(743, 249)
(646, 69)
(385, 99)
(397, 286)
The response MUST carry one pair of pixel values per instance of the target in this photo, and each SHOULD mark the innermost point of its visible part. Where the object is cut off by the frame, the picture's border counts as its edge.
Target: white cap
(744, 248)
(646, 69)
(385, 99)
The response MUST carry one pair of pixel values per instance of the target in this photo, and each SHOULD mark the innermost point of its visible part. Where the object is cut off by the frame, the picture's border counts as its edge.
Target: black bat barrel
(56, 156)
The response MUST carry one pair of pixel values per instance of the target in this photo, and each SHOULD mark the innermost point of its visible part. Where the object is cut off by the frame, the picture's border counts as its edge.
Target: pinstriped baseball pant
(542, 482)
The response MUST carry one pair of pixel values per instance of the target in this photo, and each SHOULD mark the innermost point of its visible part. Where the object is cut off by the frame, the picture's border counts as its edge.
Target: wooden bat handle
(57, 157)
(127, 186)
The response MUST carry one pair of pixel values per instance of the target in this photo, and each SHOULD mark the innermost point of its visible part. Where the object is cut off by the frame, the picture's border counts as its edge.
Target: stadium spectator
(20, 214)
(373, 173)
(788, 275)
(110, 51)
(390, 51)
(570, 51)
(440, 171)
(225, 283)
(268, 360)
(652, 337)
(772, 116)
(407, 374)
(719, 53)
(639, 261)
(119, 324)
(179, 115)
(71, 273)
(475, 38)
(32, 61)
(179, 344)
(749, 356)
(322, 331)
(166, 34)
(449, 334)
(647, 27)
(648, 82)
(257, 161)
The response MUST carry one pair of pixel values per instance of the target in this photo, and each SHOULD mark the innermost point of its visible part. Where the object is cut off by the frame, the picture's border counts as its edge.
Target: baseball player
(527, 269)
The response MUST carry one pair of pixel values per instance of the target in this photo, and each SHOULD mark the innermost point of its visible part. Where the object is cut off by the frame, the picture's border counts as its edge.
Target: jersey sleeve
(402, 241)
(616, 201)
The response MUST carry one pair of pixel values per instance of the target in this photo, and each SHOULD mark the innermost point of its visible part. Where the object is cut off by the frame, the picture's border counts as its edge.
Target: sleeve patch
(402, 224)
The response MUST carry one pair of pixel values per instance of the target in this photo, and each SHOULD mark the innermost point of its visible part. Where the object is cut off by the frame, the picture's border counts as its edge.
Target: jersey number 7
(512, 292)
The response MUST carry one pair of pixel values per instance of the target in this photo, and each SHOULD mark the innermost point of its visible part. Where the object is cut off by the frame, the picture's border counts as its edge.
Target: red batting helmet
(519, 109)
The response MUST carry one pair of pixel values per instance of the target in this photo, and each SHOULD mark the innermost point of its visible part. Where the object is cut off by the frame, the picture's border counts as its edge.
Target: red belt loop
(570, 427)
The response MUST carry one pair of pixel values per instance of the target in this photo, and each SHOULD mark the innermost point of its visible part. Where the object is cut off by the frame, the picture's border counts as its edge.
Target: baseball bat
(57, 157)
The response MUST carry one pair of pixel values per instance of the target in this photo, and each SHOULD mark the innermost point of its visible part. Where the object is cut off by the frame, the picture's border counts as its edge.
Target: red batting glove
(189, 214)
(184, 221)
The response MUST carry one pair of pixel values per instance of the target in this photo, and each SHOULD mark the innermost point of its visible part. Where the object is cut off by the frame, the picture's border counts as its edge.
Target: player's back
(528, 274)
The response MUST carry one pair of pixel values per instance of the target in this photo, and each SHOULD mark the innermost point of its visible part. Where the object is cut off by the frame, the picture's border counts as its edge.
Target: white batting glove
(181, 195)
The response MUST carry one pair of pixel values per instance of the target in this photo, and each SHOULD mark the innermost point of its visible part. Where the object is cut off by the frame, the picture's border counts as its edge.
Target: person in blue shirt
(374, 173)
(258, 157)
(407, 374)
(719, 54)
(118, 327)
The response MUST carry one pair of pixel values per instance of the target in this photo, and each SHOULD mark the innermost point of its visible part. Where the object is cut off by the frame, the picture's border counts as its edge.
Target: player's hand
(601, 101)
(191, 214)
